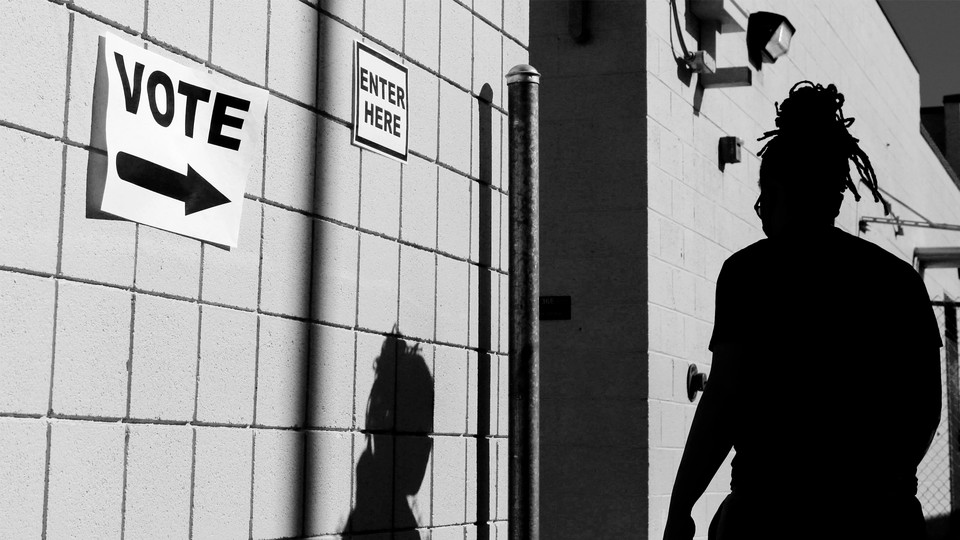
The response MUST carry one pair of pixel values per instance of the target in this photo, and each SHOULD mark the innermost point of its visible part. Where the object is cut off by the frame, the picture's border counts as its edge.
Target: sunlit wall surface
(323, 379)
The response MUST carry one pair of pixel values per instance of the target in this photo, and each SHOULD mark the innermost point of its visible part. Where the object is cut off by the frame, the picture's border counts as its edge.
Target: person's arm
(708, 443)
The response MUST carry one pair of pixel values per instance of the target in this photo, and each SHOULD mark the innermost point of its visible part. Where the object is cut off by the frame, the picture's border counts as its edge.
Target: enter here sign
(380, 103)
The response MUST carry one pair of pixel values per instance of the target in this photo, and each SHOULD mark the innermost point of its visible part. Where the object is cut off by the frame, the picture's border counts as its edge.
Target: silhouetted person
(392, 468)
(826, 372)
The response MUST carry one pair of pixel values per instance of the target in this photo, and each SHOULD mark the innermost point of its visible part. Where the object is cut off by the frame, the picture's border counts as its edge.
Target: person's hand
(679, 528)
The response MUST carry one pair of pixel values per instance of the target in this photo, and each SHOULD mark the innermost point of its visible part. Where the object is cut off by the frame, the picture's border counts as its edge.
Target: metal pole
(523, 83)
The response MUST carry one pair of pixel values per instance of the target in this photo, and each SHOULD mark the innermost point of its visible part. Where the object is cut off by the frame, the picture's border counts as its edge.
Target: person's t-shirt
(823, 333)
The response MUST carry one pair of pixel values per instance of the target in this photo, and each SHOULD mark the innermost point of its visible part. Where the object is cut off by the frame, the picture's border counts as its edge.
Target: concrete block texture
(380, 194)
(159, 460)
(182, 25)
(232, 276)
(335, 76)
(164, 368)
(100, 250)
(455, 131)
(456, 28)
(384, 20)
(338, 173)
(239, 39)
(85, 491)
(22, 469)
(375, 382)
(291, 160)
(92, 350)
(491, 10)
(226, 376)
(453, 221)
(327, 492)
(417, 292)
(422, 32)
(449, 477)
(334, 273)
(30, 175)
(452, 300)
(331, 371)
(282, 372)
(293, 50)
(487, 61)
(277, 484)
(349, 11)
(285, 274)
(379, 283)
(450, 381)
(33, 61)
(418, 206)
(167, 263)
(516, 20)
(26, 332)
(221, 486)
(127, 13)
(424, 92)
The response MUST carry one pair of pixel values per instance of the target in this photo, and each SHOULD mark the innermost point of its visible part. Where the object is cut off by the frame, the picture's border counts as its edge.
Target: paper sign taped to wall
(180, 143)
(380, 102)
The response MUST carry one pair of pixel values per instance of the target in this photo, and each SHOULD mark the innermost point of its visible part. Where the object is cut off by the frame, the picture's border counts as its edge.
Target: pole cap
(523, 73)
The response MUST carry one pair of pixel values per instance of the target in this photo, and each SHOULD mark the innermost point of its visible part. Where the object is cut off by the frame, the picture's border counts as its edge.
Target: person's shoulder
(749, 255)
(866, 252)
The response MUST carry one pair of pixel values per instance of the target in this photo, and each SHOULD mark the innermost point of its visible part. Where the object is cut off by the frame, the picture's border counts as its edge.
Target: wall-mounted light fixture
(729, 150)
(768, 37)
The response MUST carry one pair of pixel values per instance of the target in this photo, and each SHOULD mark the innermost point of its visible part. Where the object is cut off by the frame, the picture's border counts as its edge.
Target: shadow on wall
(394, 462)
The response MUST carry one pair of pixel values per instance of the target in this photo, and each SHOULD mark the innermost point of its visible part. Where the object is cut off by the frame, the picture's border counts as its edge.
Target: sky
(930, 31)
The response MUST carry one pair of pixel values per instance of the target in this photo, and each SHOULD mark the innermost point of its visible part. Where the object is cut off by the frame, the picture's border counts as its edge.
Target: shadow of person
(393, 465)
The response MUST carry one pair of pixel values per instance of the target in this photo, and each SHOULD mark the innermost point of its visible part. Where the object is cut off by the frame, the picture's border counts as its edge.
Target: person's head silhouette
(805, 165)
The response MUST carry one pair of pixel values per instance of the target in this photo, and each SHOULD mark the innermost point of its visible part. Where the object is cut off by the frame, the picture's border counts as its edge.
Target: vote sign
(380, 102)
(180, 143)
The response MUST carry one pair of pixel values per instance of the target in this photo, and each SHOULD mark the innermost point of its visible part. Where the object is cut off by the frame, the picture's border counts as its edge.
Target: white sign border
(360, 141)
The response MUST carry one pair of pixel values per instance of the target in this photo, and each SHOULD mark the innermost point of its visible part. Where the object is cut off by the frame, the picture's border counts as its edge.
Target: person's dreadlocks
(812, 113)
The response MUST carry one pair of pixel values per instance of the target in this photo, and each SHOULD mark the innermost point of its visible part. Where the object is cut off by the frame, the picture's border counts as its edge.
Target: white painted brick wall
(291, 159)
(239, 40)
(163, 375)
(187, 378)
(158, 483)
(226, 377)
(327, 488)
(231, 277)
(221, 492)
(26, 332)
(282, 372)
(29, 56)
(28, 214)
(85, 486)
(380, 195)
(92, 350)
(293, 47)
(331, 368)
(22, 470)
(167, 263)
(277, 484)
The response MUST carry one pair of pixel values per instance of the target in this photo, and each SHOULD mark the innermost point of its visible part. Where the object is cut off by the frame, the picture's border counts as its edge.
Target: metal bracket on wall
(901, 223)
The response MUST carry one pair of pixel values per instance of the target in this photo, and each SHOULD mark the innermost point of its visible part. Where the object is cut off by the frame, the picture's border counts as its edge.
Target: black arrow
(196, 193)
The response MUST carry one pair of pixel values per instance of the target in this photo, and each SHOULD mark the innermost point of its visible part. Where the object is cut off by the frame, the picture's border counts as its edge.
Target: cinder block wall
(699, 215)
(323, 378)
